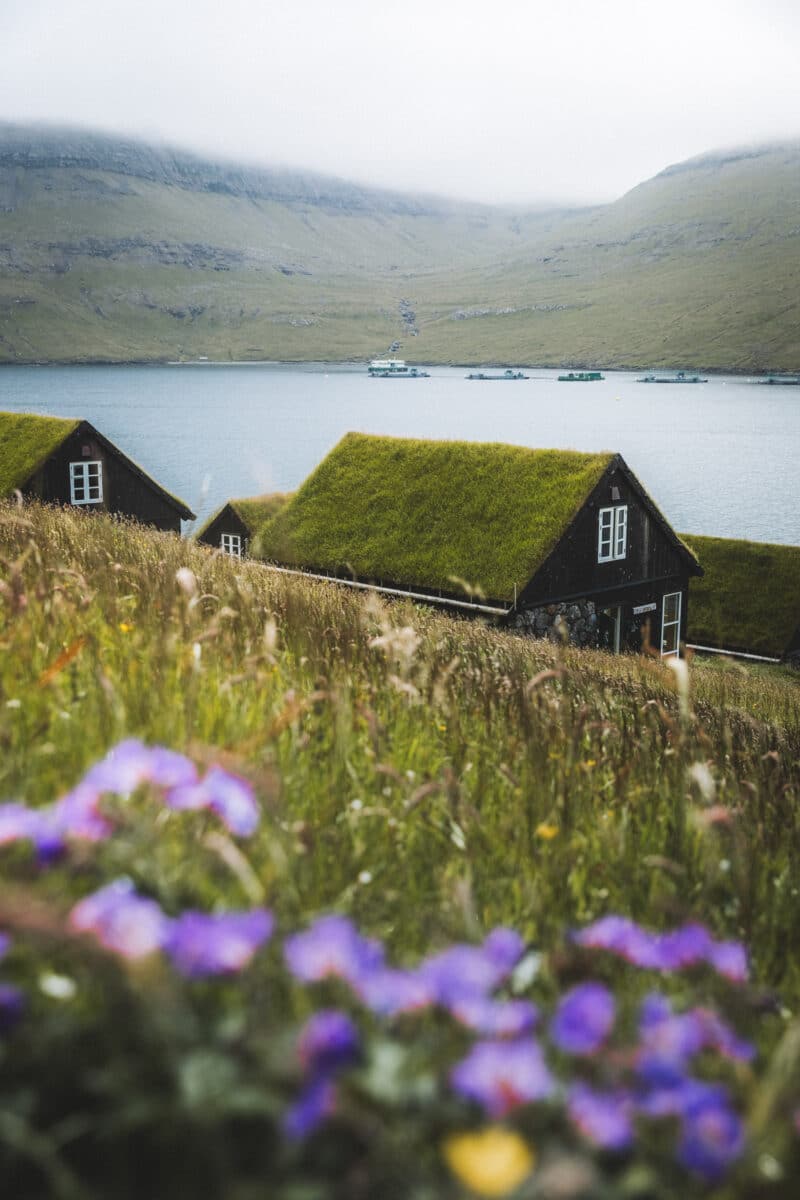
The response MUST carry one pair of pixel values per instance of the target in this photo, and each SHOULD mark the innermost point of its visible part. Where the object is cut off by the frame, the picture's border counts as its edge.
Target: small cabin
(553, 543)
(748, 601)
(63, 461)
(234, 527)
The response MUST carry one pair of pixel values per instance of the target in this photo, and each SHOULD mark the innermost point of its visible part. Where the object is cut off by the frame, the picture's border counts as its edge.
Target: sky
(498, 101)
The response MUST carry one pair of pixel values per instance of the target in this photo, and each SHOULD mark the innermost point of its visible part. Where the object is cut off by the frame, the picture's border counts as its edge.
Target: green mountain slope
(113, 250)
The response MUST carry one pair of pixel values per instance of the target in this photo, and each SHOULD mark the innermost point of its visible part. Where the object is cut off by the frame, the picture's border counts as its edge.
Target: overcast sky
(494, 100)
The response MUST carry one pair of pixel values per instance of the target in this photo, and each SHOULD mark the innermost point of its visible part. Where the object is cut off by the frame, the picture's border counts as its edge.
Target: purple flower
(620, 936)
(583, 1019)
(5, 944)
(670, 1094)
(12, 1005)
(712, 1135)
(21, 824)
(495, 1018)
(328, 1041)
(132, 764)
(17, 823)
(680, 1097)
(463, 971)
(500, 1076)
(332, 946)
(124, 768)
(315, 1104)
(121, 921)
(201, 944)
(504, 947)
(670, 1040)
(229, 796)
(168, 769)
(729, 959)
(684, 947)
(77, 815)
(233, 800)
(389, 992)
(719, 1035)
(604, 1118)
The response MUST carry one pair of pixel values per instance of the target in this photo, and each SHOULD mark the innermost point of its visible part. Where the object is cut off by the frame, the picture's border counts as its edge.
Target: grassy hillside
(749, 597)
(431, 778)
(115, 251)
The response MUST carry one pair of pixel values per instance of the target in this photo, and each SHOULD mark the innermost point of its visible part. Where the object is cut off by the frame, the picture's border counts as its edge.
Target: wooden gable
(226, 521)
(654, 551)
(127, 490)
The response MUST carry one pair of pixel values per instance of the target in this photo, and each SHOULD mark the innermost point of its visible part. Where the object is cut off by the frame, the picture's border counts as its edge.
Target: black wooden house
(553, 543)
(234, 527)
(63, 461)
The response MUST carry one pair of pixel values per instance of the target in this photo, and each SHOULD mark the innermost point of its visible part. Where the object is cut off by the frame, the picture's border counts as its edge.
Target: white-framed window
(612, 533)
(86, 482)
(671, 625)
(231, 543)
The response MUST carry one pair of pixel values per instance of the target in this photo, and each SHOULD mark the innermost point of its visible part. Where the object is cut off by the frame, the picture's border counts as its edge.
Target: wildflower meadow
(306, 895)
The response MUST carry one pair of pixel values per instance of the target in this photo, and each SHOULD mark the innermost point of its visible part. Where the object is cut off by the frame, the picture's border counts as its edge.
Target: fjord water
(720, 458)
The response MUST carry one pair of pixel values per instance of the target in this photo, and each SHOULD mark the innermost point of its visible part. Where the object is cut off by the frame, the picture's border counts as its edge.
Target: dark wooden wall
(652, 568)
(227, 521)
(573, 570)
(124, 491)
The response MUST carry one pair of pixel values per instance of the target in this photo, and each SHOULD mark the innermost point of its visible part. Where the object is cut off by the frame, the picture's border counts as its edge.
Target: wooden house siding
(126, 490)
(655, 565)
(226, 521)
(572, 569)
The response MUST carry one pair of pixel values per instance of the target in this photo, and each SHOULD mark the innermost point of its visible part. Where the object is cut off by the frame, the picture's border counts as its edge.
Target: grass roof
(26, 443)
(430, 514)
(257, 510)
(749, 597)
(252, 511)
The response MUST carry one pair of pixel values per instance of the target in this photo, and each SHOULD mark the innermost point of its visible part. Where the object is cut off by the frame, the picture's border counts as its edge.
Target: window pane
(621, 540)
(672, 607)
(669, 639)
(86, 482)
(605, 533)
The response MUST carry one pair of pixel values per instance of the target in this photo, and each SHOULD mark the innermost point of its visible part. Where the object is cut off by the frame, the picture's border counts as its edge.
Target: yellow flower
(124, 627)
(491, 1161)
(546, 832)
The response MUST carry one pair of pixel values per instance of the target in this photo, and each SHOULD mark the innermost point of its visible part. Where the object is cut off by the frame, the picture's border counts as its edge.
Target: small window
(86, 483)
(612, 533)
(231, 543)
(671, 625)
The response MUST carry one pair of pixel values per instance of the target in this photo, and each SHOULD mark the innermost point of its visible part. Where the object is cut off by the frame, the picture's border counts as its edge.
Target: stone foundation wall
(574, 623)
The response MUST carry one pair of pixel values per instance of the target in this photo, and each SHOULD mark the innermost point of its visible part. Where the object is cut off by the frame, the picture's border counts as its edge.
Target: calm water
(719, 458)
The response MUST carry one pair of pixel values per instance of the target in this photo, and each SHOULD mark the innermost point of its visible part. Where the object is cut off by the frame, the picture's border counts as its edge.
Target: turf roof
(749, 597)
(26, 443)
(429, 514)
(252, 511)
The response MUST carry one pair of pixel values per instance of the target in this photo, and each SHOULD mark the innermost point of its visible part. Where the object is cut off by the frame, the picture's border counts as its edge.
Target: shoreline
(744, 372)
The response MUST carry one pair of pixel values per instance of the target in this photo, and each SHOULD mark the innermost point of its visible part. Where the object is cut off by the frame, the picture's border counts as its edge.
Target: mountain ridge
(44, 146)
(114, 250)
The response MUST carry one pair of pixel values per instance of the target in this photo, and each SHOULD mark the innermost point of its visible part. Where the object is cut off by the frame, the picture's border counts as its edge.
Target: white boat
(394, 368)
